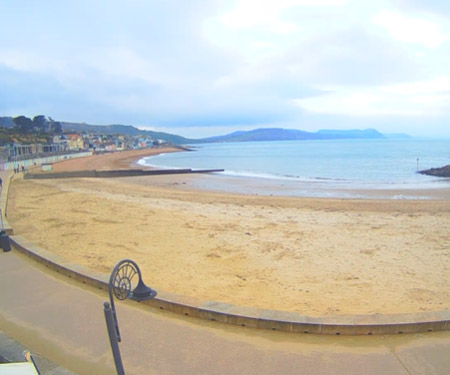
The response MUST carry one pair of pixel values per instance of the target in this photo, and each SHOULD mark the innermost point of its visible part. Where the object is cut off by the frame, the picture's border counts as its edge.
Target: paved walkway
(62, 321)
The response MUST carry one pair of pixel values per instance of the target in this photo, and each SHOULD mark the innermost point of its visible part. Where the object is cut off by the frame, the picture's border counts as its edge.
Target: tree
(40, 123)
(56, 127)
(23, 124)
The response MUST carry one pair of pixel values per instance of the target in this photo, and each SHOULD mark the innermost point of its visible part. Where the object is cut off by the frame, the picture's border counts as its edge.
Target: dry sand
(110, 161)
(314, 256)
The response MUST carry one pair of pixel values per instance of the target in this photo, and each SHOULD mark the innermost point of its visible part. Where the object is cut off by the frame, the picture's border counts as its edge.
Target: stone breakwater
(115, 173)
(437, 172)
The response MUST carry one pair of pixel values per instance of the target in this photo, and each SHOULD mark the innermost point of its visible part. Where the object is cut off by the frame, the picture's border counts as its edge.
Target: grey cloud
(352, 57)
(180, 66)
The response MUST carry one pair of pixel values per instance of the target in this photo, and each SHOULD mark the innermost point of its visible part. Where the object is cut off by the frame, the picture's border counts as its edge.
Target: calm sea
(313, 167)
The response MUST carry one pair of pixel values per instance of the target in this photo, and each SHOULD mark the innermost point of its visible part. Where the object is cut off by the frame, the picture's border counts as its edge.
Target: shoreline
(269, 187)
(296, 188)
(254, 186)
(309, 255)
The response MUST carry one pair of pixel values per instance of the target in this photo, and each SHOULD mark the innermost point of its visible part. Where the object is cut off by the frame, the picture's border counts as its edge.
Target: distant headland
(278, 134)
(256, 135)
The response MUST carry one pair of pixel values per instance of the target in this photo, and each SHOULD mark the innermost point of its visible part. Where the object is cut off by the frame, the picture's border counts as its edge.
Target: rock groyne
(437, 172)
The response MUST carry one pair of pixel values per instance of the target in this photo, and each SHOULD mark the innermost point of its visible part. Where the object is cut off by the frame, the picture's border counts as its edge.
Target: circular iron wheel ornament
(122, 280)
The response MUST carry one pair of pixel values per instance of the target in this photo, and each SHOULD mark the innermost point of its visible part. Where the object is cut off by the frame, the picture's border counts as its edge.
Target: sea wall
(249, 316)
(27, 163)
(6, 181)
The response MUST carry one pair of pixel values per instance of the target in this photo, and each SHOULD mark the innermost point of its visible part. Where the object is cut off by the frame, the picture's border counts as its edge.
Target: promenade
(61, 321)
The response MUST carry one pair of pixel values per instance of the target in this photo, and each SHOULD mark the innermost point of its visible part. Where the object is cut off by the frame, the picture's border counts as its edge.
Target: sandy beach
(314, 256)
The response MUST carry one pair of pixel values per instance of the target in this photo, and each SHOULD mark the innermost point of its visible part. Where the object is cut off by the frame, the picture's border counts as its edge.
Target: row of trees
(39, 124)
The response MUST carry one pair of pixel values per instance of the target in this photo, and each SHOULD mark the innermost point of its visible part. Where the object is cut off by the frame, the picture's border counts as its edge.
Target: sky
(200, 68)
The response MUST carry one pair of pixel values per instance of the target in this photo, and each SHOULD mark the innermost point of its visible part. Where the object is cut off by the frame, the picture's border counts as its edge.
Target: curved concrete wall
(6, 181)
(248, 316)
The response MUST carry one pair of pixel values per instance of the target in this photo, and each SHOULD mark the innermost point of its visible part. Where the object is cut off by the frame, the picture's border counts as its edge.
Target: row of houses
(77, 142)
(102, 142)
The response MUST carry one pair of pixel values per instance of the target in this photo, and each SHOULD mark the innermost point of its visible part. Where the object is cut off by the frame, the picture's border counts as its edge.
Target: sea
(317, 168)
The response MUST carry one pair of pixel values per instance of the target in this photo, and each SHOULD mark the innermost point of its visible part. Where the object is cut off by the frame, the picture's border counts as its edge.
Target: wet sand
(314, 256)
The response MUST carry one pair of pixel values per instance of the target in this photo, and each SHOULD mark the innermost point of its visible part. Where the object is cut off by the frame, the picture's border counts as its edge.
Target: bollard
(5, 244)
(4, 238)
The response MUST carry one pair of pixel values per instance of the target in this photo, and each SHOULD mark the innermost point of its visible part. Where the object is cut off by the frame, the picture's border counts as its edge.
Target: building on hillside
(19, 150)
(15, 151)
(61, 141)
(159, 143)
(75, 141)
(120, 145)
(110, 146)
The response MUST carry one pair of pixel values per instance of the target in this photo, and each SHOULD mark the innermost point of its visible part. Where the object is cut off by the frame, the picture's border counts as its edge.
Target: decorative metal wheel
(122, 279)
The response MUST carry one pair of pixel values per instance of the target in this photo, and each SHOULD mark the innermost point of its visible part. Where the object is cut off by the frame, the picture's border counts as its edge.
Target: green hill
(277, 134)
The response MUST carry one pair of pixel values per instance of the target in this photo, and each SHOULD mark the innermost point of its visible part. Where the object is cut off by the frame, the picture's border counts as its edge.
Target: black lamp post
(120, 284)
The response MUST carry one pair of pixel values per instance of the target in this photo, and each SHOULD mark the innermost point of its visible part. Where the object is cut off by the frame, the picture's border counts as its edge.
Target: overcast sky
(200, 68)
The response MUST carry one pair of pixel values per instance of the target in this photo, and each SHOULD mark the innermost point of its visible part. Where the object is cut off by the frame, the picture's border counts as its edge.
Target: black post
(4, 241)
(113, 307)
(111, 326)
(120, 283)
(4, 238)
